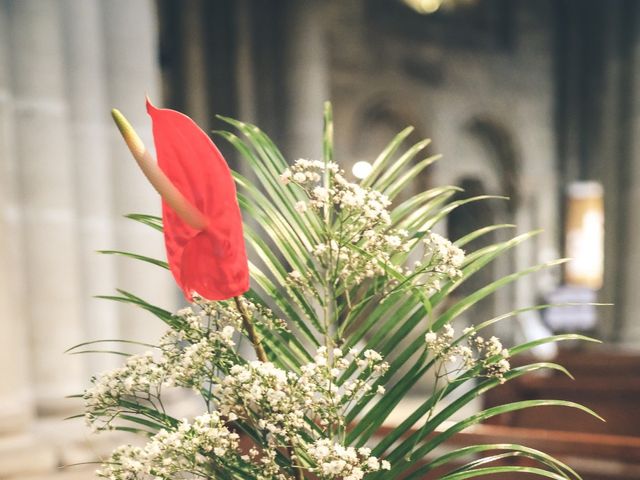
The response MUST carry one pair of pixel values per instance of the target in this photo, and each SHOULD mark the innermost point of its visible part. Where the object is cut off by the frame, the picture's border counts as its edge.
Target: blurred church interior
(535, 100)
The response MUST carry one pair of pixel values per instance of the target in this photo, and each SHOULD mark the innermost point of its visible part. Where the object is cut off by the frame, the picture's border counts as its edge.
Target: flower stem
(262, 356)
(251, 331)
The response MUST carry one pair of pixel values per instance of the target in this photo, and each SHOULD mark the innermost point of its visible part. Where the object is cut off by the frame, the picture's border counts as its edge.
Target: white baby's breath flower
(285, 177)
(321, 194)
(300, 207)
(335, 461)
(199, 446)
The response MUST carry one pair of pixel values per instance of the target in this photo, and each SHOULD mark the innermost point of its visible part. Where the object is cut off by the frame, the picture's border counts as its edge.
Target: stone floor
(51, 449)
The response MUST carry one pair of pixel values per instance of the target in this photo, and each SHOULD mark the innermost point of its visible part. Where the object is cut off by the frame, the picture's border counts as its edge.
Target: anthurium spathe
(200, 213)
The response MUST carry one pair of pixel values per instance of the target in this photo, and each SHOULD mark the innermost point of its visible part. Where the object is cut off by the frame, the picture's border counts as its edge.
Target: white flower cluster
(200, 343)
(334, 461)
(306, 173)
(292, 410)
(488, 354)
(326, 371)
(138, 380)
(281, 402)
(219, 314)
(199, 447)
(361, 243)
(191, 354)
(266, 465)
(442, 261)
(265, 394)
(362, 221)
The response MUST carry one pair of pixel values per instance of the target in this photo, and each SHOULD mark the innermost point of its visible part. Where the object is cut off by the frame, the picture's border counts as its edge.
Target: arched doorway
(488, 163)
(376, 123)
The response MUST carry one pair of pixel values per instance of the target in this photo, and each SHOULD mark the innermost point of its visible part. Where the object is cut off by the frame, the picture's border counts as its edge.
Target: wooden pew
(607, 382)
(594, 456)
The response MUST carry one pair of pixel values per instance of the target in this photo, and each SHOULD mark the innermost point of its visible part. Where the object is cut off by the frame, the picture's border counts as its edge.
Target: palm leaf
(376, 314)
(473, 450)
(142, 258)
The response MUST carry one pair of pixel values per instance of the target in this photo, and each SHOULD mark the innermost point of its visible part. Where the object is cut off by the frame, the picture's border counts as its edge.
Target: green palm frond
(380, 313)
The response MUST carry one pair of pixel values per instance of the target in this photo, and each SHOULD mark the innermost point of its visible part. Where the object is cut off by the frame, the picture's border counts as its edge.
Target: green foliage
(375, 314)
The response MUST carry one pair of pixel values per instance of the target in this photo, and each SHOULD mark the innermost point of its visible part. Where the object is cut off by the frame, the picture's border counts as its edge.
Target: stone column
(130, 33)
(47, 197)
(194, 62)
(613, 159)
(245, 72)
(15, 396)
(89, 117)
(307, 84)
(627, 330)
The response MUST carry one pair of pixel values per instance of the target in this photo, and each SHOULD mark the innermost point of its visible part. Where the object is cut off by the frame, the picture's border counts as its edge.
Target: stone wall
(67, 179)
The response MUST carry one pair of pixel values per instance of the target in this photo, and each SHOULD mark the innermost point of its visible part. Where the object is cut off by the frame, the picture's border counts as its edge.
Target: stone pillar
(130, 33)
(628, 330)
(47, 197)
(307, 84)
(15, 396)
(614, 159)
(90, 126)
(194, 62)
(245, 72)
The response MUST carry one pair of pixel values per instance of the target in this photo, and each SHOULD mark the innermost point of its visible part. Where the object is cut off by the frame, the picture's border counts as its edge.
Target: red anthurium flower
(200, 212)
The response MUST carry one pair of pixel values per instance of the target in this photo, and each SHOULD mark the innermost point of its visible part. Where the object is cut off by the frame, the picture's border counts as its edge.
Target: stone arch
(383, 110)
(491, 164)
(501, 152)
(377, 121)
(469, 218)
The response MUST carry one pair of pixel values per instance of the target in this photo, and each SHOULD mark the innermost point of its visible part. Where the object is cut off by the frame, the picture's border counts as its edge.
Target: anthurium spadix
(200, 213)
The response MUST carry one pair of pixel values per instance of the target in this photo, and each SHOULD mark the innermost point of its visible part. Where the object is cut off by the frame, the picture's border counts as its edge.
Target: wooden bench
(607, 382)
(594, 456)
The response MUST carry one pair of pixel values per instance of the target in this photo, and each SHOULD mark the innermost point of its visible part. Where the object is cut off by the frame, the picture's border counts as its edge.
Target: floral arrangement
(298, 371)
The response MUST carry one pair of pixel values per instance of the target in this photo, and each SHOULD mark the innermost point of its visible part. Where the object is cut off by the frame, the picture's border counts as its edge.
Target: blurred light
(361, 169)
(585, 234)
(424, 6)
